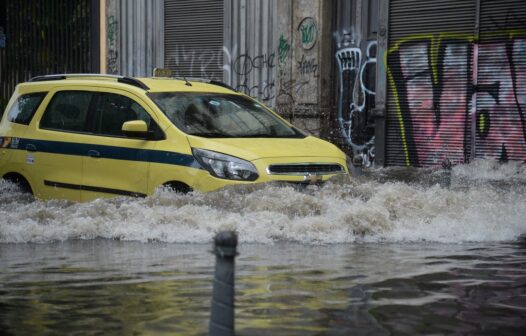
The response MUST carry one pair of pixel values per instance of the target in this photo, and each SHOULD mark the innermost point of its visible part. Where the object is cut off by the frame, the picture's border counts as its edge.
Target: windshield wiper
(268, 135)
(252, 135)
(211, 135)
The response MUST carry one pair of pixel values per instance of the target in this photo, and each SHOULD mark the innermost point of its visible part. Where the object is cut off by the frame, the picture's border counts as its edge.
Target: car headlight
(225, 166)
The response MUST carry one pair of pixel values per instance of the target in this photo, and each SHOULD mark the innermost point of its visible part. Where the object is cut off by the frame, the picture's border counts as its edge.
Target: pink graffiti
(506, 121)
(465, 101)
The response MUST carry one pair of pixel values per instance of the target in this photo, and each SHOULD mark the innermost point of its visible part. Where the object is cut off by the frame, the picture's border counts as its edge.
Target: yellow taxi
(85, 136)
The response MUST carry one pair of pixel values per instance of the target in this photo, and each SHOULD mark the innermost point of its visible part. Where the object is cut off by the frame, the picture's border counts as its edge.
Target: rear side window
(113, 110)
(67, 111)
(25, 107)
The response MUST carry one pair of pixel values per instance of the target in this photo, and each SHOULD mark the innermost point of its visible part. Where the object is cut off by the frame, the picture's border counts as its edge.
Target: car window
(221, 116)
(24, 108)
(113, 110)
(67, 111)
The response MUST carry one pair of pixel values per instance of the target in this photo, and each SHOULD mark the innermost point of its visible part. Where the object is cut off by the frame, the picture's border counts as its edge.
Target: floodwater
(389, 252)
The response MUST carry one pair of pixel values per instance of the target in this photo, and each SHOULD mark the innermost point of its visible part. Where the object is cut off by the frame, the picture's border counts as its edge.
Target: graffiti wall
(457, 98)
(273, 53)
(112, 41)
(356, 93)
(188, 61)
(272, 50)
(439, 95)
(355, 59)
(245, 66)
(228, 64)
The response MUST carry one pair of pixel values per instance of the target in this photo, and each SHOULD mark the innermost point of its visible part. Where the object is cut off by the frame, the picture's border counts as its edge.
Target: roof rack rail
(206, 81)
(219, 83)
(120, 79)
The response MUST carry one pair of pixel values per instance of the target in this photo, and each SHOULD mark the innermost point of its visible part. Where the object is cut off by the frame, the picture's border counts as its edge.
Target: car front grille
(305, 168)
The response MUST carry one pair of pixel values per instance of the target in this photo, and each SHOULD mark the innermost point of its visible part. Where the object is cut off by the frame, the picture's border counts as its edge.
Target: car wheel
(20, 181)
(178, 187)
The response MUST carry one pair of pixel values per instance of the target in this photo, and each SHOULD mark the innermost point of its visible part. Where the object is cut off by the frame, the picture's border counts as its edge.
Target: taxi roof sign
(160, 72)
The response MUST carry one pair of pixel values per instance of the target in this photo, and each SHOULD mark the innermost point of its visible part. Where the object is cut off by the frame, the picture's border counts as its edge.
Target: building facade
(392, 82)
(45, 37)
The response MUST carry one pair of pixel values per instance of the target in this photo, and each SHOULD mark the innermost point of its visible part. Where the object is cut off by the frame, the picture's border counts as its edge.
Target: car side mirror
(135, 129)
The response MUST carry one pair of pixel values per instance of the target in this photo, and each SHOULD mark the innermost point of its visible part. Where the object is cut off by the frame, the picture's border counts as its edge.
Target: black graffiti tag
(245, 64)
(308, 66)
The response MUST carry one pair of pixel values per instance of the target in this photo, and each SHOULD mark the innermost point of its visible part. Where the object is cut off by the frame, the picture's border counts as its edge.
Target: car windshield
(221, 116)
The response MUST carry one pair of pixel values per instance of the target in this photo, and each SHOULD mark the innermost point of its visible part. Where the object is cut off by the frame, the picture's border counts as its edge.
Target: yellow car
(85, 136)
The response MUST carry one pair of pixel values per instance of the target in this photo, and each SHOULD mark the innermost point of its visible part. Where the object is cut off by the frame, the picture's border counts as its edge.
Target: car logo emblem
(313, 179)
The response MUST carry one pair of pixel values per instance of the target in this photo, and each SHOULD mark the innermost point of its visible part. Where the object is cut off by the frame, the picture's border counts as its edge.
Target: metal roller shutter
(501, 86)
(193, 37)
(429, 68)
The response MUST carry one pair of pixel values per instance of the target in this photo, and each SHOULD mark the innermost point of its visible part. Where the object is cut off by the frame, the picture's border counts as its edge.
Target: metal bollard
(222, 315)
(445, 180)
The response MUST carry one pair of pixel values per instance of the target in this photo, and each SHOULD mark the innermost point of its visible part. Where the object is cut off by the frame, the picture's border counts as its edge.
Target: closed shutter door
(501, 86)
(194, 38)
(429, 68)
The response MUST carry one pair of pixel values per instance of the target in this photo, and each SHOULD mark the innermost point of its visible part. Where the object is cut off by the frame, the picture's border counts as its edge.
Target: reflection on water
(107, 287)
(389, 252)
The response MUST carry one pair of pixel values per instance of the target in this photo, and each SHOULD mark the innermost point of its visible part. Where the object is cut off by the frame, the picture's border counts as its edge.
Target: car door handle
(93, 153)
(31, 148)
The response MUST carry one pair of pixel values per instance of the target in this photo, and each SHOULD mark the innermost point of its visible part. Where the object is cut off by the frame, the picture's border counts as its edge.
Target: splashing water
(486, 202)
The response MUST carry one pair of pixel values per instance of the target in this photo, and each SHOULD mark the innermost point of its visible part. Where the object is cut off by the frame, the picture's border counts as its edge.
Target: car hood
(260, 148)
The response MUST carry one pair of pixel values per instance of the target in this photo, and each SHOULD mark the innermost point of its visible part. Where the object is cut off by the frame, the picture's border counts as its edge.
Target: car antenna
(187, 83)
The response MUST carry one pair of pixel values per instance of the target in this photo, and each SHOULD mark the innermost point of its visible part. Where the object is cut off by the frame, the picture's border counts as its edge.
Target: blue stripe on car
(110, 152)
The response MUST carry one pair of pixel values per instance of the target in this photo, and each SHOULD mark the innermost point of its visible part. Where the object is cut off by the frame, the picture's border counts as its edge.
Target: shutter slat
(193, 38)
(500, 124)
(414, 135)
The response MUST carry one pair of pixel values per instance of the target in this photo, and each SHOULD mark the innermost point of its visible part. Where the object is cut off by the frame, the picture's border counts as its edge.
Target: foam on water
(487, 202)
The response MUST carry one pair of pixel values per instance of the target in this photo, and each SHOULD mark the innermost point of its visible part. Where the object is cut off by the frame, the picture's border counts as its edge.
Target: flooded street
(390, 252)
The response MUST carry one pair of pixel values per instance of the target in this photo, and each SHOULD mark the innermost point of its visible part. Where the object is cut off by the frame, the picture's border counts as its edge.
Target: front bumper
(206, 182)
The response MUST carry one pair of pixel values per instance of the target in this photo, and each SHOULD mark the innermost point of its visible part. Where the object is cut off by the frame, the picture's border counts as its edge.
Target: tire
(20, 181)
(178, 187)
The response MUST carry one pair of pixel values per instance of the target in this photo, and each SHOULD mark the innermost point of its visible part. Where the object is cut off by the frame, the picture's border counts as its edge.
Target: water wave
(486, 202)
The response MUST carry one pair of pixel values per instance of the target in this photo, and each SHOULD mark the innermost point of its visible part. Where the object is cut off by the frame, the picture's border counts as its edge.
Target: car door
(55, 144)
(115, 164)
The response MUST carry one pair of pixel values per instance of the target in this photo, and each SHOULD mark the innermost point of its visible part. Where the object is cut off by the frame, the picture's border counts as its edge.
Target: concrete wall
(304, 62)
